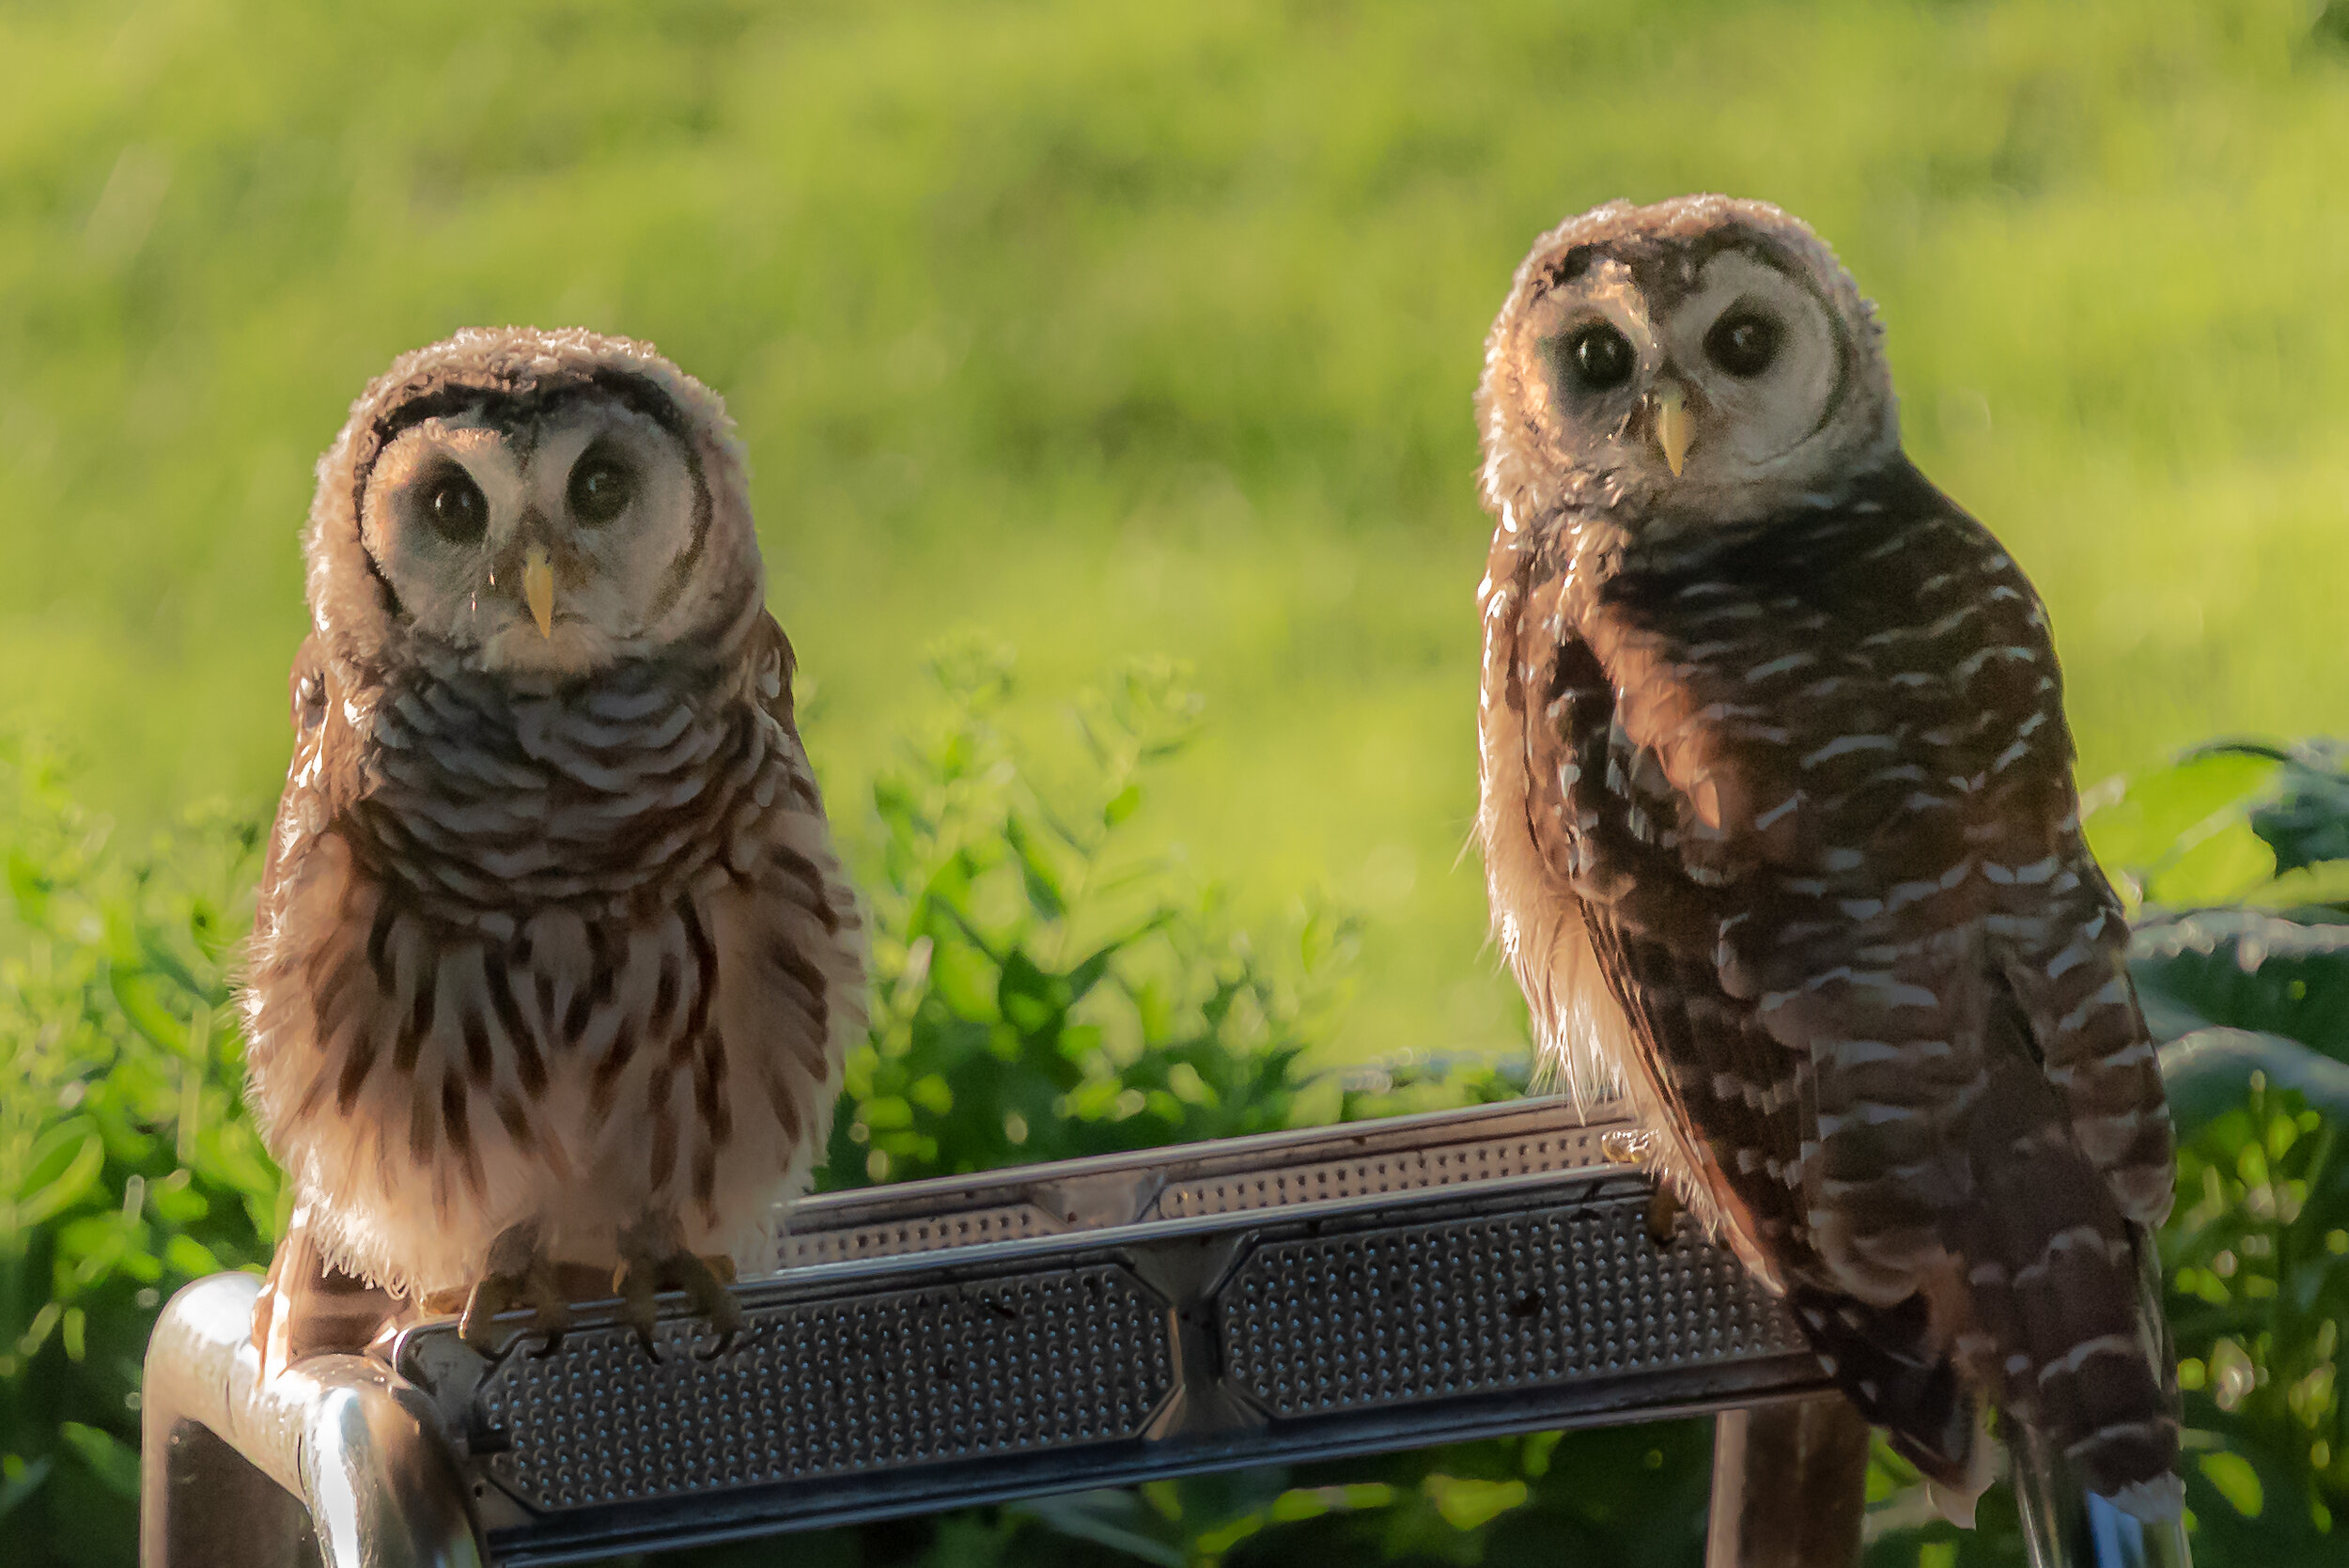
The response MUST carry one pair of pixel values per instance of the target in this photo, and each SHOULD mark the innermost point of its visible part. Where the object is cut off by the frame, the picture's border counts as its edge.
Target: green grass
(1111, 328)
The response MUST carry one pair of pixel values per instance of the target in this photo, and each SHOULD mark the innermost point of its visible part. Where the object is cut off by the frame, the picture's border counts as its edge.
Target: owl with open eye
(1780, 836)
(553, 965)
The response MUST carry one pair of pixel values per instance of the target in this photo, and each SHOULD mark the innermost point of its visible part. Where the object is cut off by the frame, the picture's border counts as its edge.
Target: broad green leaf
(2327, 882)
(2247, 969)
(2218, 869)
(2166, 812)
(2208, 1074)
(2308, 821)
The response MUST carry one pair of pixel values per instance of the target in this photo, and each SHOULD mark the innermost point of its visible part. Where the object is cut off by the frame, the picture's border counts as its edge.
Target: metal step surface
(1101, 1322)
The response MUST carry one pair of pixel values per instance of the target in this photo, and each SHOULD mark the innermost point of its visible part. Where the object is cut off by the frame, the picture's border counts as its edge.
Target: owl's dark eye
(602, 487)
(1744, 342)
(458, 510)
(1601, 356)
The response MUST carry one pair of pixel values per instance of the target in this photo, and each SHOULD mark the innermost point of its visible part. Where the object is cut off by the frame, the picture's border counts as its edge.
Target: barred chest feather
(574, 955)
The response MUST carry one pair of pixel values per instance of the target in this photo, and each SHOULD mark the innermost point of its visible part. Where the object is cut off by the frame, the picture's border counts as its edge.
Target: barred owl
(553, 965)
(1781, 834)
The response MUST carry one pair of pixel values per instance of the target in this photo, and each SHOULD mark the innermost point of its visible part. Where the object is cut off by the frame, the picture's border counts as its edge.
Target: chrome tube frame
(338, 1461)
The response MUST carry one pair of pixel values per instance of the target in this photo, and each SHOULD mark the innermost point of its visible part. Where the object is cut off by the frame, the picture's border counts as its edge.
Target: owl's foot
(517, 1277)
(643, 1276)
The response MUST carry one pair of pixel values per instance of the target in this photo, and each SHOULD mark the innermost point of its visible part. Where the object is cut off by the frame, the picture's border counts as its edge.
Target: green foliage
(1042, 992)
(1124, 326)
(126, 1167)
(2254, 1001)
(1050, 985)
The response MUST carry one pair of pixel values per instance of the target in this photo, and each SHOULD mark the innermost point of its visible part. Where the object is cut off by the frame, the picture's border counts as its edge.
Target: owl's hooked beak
(538, 586)
(1674, 429)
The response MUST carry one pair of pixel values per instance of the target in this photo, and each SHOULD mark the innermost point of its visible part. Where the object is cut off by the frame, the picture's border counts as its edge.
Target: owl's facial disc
(1696, 386)
(1762, 361)
(550, 542)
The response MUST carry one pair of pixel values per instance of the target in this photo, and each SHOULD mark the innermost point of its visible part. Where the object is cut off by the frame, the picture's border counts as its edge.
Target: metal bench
(1090, 1323)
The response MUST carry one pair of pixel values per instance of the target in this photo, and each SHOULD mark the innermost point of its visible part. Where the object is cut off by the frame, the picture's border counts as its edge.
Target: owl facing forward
(1781, 834)
(553, 965)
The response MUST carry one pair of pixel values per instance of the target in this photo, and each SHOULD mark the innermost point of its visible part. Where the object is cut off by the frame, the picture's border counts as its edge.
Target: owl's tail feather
(2060, 1288)
(2067, 1325)
(308, 1306)
(1889, 1363)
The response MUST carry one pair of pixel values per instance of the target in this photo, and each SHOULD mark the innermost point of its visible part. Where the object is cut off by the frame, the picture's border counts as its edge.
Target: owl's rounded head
(1700, 362)
(532, 501)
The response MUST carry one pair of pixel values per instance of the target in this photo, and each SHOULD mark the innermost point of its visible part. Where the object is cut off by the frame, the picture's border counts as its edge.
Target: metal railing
(1100, 1322)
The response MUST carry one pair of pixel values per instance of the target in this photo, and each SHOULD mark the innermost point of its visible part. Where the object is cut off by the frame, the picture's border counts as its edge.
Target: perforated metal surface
(1385, 1173)
(968, 1228)
(1481, 1306)
(1103, 1322)
(1242, 1175)
(893, 1378)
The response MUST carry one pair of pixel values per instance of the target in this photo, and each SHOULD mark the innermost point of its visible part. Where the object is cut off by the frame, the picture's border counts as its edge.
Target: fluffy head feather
(1734, 306)
(469, 451)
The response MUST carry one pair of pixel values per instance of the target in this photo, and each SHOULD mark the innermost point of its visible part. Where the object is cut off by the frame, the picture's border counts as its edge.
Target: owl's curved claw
(517, 1277)
(640, 1278)
(637, 1281)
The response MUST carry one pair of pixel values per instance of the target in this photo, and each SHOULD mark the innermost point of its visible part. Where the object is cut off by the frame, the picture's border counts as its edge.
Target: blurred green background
(1107, 329)
(1114, 328)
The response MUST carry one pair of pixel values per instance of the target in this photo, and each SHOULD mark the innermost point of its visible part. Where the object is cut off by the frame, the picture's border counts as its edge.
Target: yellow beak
(1673, 428)
(538, 586)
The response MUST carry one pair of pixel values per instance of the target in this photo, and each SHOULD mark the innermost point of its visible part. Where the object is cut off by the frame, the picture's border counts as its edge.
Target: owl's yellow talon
(538, 588)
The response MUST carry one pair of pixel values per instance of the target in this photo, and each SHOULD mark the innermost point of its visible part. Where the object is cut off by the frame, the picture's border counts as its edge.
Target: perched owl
(553, 965)
(1781, 834)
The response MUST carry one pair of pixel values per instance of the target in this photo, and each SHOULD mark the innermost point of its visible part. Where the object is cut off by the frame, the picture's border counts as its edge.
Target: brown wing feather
(1702, 1060)
(1810, 794)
